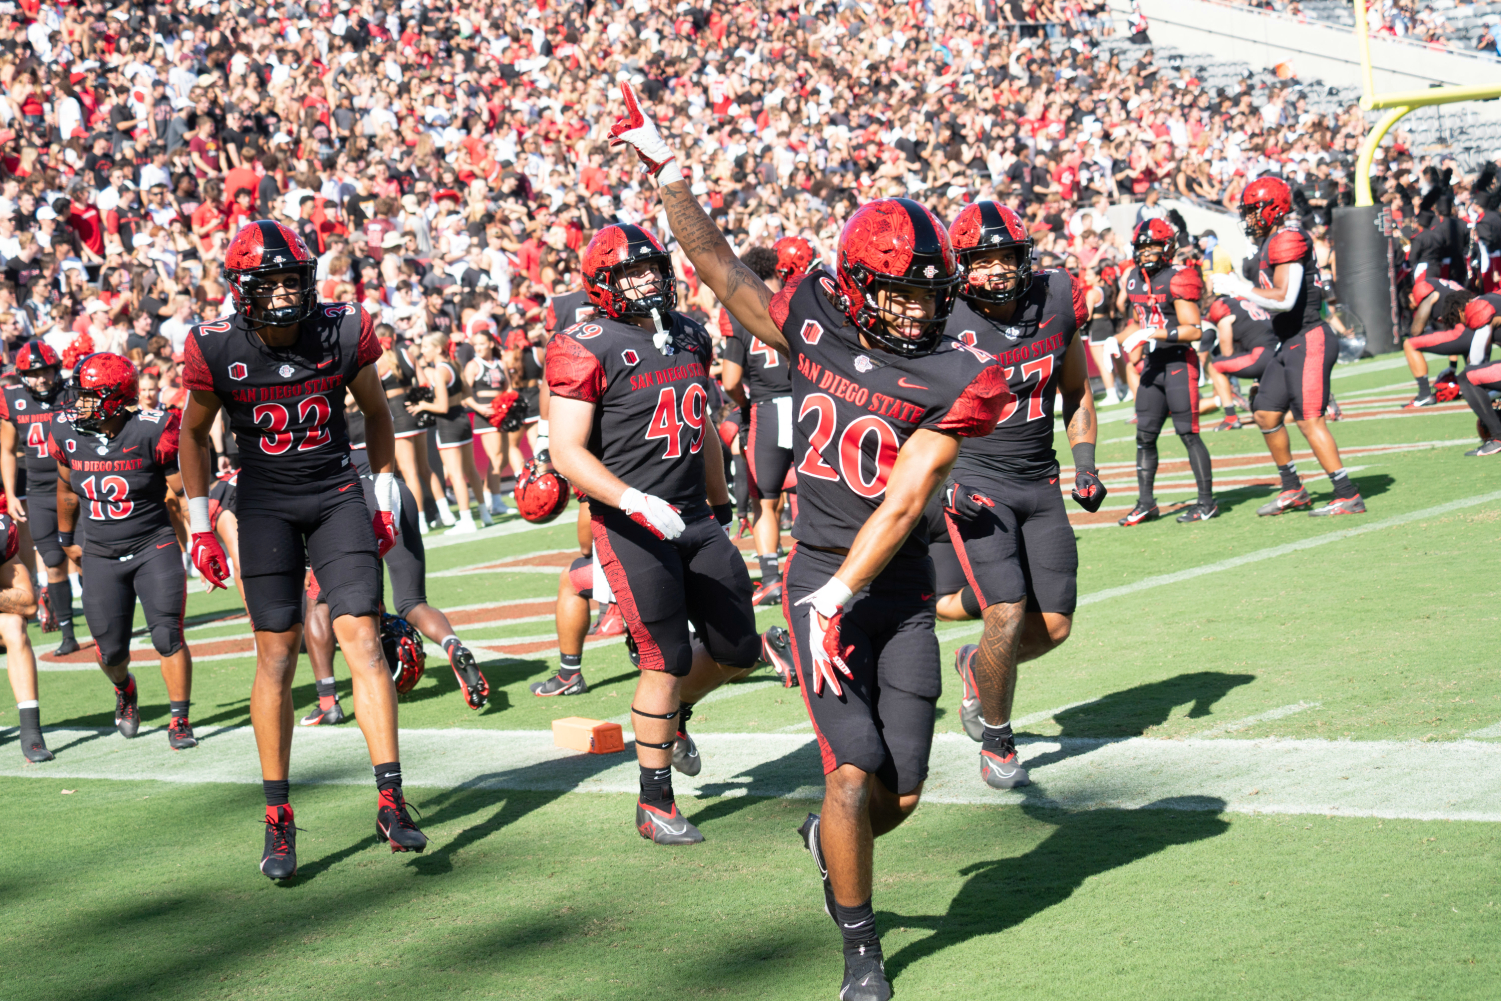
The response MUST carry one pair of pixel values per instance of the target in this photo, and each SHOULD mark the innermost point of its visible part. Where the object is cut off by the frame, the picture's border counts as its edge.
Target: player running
(26, 412)
(1439, 328)
(630, 425)
(1164, 300)
(279, 365)
(1012, 559)
(1297, 378)
(1246, 343)
(880, 398)
(757, 377)
(123, 462)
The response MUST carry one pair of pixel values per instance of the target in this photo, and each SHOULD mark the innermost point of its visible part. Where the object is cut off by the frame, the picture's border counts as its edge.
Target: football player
(1164, 302)
(122, 461)
(279, 366)
(880, 401)
(1440, 304)
(17, 604)
(1297, 377)
(26, 412)
(630, 425)
(756, 377)
(1482, 317)
(1245, 342)
(1012, 559)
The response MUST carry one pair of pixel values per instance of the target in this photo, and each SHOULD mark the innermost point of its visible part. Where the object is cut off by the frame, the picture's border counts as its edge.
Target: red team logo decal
(238, 371)
(630, 357)
(811, 332)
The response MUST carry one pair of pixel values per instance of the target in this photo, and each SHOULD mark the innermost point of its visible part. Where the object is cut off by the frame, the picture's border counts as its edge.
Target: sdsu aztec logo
(72, 445)
(20, 404)
(630, 357)
(339, 309)
(238, 371)
(968, 337)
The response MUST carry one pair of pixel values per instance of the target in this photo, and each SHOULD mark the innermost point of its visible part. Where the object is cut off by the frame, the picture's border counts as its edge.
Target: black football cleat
(1231, 424)
(1335, 412)
(127, 711)
(45, 616)
(180, 734)
(1287, 500)
(684, 751)
(767, 594)
(1490, 447)
(669, 828)
(394, 825)
(1138, 514)
(1418, 402)
(332, 716)
(67, 646)
(559, 685)
(865, 978)
(809, 833)
(1338, 506)
(776, 650)
(1003, 770)
(34, 747)
(969, 695)
(279, 859)
(1200, 512)
(471, 682)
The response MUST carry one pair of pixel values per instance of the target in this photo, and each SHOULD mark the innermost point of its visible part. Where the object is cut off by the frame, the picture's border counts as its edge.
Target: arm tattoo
(740, 277)
(1079, 426)
(694, 230)
(14, 601)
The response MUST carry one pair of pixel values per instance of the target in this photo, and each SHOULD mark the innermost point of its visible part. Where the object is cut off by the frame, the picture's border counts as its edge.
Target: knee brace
(54, 557)
(167, 639)
(1147, 440)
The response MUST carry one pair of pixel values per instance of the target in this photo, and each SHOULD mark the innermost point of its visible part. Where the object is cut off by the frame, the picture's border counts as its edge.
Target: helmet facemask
(43, 383)
(983, 282)
(280, 296)
(908, 332)
(1151, 256)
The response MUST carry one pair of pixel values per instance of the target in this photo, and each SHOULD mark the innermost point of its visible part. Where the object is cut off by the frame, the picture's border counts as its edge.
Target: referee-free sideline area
(1265, 765)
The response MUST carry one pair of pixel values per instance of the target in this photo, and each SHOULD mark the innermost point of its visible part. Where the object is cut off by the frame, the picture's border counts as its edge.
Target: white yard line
(1494, 730)
(1390, 779)
(1250, 721)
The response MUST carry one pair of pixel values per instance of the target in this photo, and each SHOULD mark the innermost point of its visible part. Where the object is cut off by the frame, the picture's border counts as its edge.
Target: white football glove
(1146, 335)
(828, 652)
(1225, 283)
(652, 513)
(640, 132)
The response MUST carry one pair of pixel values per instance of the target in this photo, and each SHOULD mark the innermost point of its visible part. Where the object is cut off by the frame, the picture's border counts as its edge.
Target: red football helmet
(12, 538)
(541, 494)
(612, 250)
(40, 369)
(404, 654)
(985, 227)
(1264, 204)
(265, 248)
(1151, 233)
(794, 256)
(896, 243)
(107, 384)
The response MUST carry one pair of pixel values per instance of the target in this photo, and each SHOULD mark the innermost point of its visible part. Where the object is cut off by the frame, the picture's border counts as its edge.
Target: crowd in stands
(1445, 24)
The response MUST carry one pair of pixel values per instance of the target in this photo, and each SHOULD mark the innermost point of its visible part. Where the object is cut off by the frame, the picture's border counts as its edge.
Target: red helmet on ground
(541, 494)
(11, 536)
(107, 385)
(1152, 233)
(898, 244)
(264, 248)
(794, 256)
(404, 654)
(612, 250)
(1264, 204)
(985, 227)
(40, 369)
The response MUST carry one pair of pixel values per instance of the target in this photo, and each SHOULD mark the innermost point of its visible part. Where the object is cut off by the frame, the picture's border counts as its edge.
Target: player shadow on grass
(799, 768)
(1003, 893)
(1131, 712)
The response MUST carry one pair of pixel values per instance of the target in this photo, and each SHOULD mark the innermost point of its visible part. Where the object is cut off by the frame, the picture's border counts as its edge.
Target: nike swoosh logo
(345, 487)
(1044, 323)
(908, 385)
(325, 364)
(164, 545)
(924, 595)
(130, 449)
(1054, 480)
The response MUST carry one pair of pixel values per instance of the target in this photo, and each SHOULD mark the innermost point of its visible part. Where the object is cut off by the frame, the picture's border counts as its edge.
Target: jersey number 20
(851, 455)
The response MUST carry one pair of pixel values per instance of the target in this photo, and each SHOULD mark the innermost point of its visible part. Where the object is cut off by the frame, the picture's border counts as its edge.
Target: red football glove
(384, 524)
(208, 556)
(639, 132)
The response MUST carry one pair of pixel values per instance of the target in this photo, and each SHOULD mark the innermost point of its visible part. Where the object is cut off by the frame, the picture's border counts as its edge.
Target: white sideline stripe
(471, 567)
(1250, 721)
(1160, 580)
(1458, 780)
(439, 539)
(718, 695)
(1365, 450)
(1494, 730)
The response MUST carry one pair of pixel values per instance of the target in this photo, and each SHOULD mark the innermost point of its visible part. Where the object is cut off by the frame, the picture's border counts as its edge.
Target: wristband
(1172, 336)
(669, 173)
(198, 522)
(723, 513)
(65, 539)
(1084, 456)
(385, 486)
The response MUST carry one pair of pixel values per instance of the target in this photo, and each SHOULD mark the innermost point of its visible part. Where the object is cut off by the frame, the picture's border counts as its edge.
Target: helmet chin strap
(663, 336)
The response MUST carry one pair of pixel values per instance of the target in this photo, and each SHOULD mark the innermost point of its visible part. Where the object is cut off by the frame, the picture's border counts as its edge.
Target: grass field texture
(1267, 765)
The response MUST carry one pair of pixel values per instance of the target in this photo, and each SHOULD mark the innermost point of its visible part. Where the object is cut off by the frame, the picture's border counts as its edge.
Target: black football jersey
(1151, 302)
(1031, 347)
(121, 482)
(854, 408)
(767, 374)
(1290, 245)
(1447, 292)
(32, 419)
(1253, 325)
(651, 409)
(284, 405)
(563, 311)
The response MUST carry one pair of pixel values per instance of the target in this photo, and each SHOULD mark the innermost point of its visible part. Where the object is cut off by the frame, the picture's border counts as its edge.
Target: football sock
(970, 603)
(1146, 468)
(770, 571)
(1289, 474)
(996, 736)
(449, 642)
(1198, 459)
(1229, 410)
(327, 693)
(571, 664)
(1343, 488)
(179, 708)
(388, 776)
(61, 596)
(685, 713)
(277, 791)
(1423, 388)
(858, 926)
(656, 787)
(129, 686)
(31, 716)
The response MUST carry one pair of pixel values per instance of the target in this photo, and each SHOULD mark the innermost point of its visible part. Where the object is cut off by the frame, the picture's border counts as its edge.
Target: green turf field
(1267, 765)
